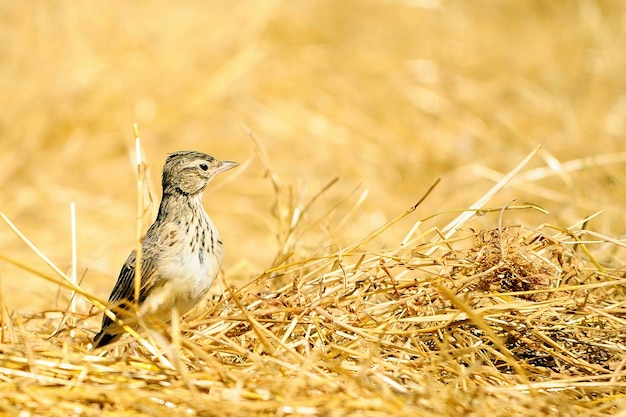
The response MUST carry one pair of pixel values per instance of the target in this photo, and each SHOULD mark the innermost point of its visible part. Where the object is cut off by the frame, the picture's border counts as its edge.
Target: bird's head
(188, 172)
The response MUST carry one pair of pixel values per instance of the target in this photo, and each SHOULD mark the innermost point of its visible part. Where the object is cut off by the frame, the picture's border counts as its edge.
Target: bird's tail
(109, 332)
(105, 337)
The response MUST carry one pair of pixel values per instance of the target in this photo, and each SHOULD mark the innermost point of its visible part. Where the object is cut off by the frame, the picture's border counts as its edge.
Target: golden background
(387, 96)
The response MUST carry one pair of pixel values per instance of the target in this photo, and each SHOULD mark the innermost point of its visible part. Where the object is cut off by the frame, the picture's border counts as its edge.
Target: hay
(509, 320)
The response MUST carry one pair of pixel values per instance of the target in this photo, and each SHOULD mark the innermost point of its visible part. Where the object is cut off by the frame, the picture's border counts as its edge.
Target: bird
(181, 253)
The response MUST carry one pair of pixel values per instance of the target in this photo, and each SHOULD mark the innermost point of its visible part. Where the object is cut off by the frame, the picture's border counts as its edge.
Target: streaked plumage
(182, 251)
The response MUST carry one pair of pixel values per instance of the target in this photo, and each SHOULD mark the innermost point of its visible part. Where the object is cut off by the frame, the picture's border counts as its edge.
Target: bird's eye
(204, 167)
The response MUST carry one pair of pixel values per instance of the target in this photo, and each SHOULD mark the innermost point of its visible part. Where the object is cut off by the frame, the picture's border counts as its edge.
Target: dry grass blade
(34, 248)
(451, 228)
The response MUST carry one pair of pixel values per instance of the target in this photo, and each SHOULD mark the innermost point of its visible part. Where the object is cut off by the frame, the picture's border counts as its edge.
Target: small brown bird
(181, 253)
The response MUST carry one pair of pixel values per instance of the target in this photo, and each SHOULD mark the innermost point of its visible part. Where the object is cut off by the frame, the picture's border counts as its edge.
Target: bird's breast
(190, 258)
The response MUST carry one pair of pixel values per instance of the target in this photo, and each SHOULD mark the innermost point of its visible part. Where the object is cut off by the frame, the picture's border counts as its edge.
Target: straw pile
(501, 321)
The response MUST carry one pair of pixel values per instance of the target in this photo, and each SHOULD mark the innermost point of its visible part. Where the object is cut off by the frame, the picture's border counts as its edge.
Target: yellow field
(343, 114)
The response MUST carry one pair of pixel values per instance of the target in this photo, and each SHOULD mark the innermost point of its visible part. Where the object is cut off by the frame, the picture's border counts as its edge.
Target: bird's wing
(123, 293)
(124, 289)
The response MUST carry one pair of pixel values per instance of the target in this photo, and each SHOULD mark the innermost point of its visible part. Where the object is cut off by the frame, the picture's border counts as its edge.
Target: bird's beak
(225, 166)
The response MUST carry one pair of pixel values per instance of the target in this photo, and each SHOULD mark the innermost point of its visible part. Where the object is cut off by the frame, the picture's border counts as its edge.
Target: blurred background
(386, 96)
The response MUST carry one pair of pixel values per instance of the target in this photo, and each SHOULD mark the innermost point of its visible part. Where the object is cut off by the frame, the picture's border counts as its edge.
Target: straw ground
(509, 320)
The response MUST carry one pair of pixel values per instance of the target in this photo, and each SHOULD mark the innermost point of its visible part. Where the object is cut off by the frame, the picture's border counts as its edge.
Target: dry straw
(510, 320)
